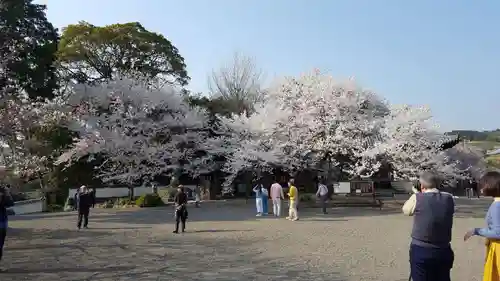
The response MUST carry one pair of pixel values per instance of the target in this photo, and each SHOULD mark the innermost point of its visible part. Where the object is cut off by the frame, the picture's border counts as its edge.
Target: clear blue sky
(442, 53)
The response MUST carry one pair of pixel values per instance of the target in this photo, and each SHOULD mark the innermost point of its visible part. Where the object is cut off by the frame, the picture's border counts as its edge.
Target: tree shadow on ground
(231, 213)
(28, 235)
(54, 215)
(34, 252)
(155, 216)
(245, 212)
(68, 270)
(150, 256)
(220, 230)
(195, 258)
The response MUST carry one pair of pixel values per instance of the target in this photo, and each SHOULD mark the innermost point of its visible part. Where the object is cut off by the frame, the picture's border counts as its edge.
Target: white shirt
(410, 204)
(322, 190)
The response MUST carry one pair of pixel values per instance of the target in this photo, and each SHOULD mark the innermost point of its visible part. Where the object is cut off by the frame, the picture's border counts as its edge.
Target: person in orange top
(293, 196)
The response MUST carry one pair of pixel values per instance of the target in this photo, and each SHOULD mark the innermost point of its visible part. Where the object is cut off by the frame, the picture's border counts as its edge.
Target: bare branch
(240, 82)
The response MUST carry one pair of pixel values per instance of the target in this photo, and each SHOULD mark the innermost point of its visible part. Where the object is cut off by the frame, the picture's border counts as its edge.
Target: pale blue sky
(442, 53)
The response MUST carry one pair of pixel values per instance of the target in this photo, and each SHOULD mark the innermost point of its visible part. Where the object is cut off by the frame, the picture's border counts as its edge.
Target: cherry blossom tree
(24, 124)
(141, 131)
(412, 144)
(303, 120)
(469, 159)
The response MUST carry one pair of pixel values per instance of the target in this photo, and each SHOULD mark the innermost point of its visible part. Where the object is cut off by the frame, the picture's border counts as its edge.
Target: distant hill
(484, 140)
(491, 136)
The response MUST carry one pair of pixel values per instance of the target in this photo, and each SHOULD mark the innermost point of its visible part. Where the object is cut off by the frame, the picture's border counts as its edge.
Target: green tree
(28, 43)
(92, 54)
(213, 105)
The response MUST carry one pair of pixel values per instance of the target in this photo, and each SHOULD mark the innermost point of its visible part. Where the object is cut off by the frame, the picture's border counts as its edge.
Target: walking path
(228, 243)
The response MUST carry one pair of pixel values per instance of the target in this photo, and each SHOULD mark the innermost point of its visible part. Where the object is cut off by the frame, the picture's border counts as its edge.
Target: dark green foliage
(91, 54)
(307, 197)
(28, 44)
(214, 106)
(149, 200)
(55, 208)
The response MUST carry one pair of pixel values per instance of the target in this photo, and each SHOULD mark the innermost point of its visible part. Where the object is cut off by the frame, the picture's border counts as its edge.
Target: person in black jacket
(6, 201)
(85, 200)
(181, 213)
(476, 189)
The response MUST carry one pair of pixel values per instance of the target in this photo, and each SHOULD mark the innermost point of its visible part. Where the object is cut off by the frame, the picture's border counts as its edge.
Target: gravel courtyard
(226, 242)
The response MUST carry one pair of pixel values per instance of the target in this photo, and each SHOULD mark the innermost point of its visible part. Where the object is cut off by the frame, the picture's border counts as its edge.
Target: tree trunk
(131, 193)
(205, 188)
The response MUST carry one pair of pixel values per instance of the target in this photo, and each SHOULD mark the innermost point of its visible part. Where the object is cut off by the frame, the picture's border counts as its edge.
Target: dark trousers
(323, 200)
(431, 264)
(180, 217)
(83, 215)
(3, 234)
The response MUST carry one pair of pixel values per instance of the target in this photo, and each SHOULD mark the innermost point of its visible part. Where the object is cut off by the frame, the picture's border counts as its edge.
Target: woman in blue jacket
(490, 186)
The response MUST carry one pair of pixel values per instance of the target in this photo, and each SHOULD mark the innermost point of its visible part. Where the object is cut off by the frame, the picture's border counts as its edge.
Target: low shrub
(149, 200)
(307, 197)
(167, 193)
(123, 202)
(55, 208)
(106, 205)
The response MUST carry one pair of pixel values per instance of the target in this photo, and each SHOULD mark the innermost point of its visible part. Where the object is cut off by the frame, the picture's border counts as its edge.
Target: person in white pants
(258, 199)
(276, 196)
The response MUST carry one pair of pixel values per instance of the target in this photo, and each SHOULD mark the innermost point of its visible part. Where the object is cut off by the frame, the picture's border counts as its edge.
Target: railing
(115, 192)
(369, 187)
(28, 206)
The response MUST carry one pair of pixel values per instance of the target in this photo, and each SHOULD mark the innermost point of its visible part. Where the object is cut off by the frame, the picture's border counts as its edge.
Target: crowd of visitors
(277, 194)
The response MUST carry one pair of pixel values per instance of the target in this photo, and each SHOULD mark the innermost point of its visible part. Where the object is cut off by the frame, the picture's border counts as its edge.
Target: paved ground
(228, 243)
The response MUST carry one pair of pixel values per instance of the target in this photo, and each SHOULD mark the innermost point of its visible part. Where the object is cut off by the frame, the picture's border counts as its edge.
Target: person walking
(75, 199)
(476, 189)
(490, 186)
(276, 197)
(84, 202)
(322, 194)
(258, 199)
(431, 255)
(265, 200)
(197, 196)
(94, 196)
(469, 190)
(181, 212)
(293, 197)
(6, 201)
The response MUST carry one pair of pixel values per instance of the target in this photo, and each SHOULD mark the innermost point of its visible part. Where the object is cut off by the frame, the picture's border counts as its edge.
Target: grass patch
(486, 145)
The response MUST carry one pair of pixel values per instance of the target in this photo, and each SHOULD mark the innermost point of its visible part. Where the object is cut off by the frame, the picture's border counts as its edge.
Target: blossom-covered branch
(302, 120)
(142, 132)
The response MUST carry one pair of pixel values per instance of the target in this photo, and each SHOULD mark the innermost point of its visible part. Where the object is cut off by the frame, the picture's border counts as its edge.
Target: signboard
(342, 188)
